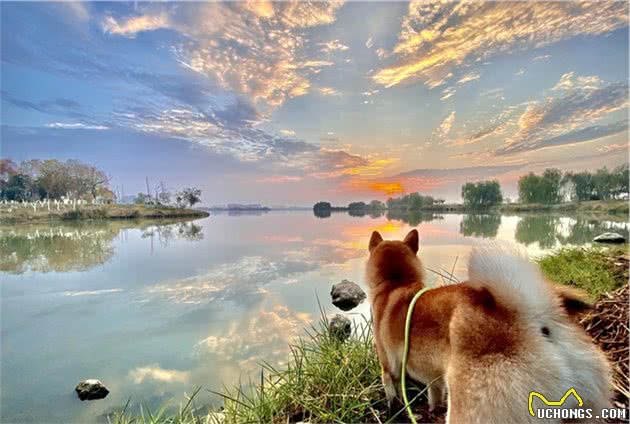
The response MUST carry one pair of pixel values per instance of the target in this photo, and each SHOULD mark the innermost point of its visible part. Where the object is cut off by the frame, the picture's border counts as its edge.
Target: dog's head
(393, 262)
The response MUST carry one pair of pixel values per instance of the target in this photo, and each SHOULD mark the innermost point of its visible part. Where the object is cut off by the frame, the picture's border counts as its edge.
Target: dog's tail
(512, 279)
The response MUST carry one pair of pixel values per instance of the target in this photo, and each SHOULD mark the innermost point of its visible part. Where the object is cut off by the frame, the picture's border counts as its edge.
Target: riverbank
(329, 381)
(19, 214)
(594, 207)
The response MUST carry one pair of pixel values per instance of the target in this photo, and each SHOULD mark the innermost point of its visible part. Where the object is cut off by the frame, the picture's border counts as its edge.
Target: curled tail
(512, 279)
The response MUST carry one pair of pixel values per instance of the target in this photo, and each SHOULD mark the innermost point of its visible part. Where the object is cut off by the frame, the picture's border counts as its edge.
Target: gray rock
(91, 389)
(340, 328)
(347, 295)
(609, 238)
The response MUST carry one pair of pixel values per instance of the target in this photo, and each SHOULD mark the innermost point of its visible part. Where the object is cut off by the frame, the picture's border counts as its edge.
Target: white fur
(511, 277)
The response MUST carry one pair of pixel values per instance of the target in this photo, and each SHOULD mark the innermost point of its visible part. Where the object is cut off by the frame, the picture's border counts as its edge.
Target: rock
(340, 328)
(609, 238)
(91, 389)
(347, 295)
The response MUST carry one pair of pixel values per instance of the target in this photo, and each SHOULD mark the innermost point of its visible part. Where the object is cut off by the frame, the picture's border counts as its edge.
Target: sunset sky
(290, 103)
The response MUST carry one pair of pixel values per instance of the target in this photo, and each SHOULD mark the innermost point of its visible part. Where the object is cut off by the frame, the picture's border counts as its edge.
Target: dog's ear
(412, 240)
(375, 240)
(574, 301)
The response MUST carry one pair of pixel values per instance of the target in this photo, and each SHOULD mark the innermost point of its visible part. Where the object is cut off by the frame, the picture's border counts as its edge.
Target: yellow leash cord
(403, 371)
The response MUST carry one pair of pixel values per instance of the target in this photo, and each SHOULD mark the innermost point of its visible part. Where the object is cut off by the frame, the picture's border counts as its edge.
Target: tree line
(52, 179)
(72, 179)
(552, 186)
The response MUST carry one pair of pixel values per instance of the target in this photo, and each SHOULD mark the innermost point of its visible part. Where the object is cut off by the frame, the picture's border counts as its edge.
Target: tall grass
(186, 413)
(326, 381)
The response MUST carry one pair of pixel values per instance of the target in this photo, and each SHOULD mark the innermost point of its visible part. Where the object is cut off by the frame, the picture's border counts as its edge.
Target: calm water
(156, 309)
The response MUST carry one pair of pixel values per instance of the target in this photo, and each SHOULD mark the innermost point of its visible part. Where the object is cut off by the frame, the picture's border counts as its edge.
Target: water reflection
(59, 249)
(180, 304)
(480, 225)
(549, 231)
(78, 247)
(413, 218)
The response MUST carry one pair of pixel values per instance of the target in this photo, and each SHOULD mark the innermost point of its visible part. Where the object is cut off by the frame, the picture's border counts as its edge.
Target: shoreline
(610, 207)
(22, 215)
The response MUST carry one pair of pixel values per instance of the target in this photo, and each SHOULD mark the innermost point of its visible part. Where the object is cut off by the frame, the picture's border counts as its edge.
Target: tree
(552, 185)
(322, 209)
(377, 205)
(582, 185)
(188, 196)
(18, 187)
(141, 199)
(544, 189)
(7, 168)
(54, 179)
(482, 194)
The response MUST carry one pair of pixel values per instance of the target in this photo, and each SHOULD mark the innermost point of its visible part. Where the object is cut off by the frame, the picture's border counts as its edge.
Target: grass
(187, 413)
(588, 268)
(327, 381)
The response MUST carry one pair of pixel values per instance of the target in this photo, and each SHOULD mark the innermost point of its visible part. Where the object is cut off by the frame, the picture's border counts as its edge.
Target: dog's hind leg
(391, 389)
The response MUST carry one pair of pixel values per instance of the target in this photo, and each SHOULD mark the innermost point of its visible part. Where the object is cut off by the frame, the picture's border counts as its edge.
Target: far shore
(594, 207)
(20, 214)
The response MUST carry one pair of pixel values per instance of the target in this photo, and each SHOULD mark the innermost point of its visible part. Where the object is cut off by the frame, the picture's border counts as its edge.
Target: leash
(403, 370)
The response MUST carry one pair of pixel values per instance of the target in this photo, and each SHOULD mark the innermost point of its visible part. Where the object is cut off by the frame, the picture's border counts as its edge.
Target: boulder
(340, 328)
(609, 238)
(91, 389)
(347, 295)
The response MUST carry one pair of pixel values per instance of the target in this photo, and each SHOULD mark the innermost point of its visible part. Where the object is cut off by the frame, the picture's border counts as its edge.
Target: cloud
(369, 43)
(580, 102)
(280, 179)
(332, 46)
(445, 127)
(156, 373)
(131, 26)
(265, 333)
(447, 93)
(472, 76)
(288, 133)
(436, 38)
(91, 292)
(570, 81)
(76, 126)
(259, 53)
(583, 135)
(541, 58)
(57, 106)
(328, 91)
(79, 10)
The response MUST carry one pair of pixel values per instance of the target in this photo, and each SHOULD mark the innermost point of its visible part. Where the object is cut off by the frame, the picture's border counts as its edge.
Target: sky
(291, 103)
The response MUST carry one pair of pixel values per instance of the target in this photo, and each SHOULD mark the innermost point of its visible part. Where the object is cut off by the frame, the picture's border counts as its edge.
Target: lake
(154, 309)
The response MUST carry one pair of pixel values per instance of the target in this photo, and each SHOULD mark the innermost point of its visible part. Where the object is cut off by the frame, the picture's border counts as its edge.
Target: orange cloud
(360, 185)
(387, 188)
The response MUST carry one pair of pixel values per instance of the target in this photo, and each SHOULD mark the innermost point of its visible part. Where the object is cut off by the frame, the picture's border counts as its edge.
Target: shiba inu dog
(488, 341)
